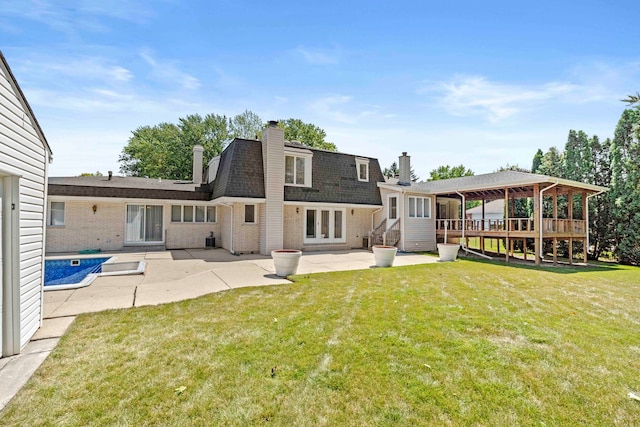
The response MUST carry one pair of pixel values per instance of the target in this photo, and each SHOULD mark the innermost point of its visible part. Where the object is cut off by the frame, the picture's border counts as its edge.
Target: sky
(483, 84)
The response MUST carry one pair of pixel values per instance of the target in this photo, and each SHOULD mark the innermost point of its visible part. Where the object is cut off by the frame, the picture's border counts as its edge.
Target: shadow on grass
(593, 266)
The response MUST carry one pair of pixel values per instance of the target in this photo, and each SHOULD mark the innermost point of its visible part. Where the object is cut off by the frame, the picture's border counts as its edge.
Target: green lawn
(465, 343)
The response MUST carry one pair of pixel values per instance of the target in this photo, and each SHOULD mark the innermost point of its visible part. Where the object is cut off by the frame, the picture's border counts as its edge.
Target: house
(490, 211)
(255, 197)
(258, 196)
(415, 215)
(24, 156)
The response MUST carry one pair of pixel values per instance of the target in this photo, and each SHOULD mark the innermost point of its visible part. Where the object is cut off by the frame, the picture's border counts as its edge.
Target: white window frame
(50, 216)
(425, 202)
(255, 214)
(318, 238)
(362, 162)
(194, 209)
(307, 157)
(393, 196)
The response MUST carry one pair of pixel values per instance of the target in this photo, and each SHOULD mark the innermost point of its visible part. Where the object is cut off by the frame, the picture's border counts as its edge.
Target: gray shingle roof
(496, 180)
(334, 180)
(126, 187)
(240, 173)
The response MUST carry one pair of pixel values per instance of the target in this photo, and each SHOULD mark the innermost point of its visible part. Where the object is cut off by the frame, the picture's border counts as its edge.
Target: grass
(465, 343)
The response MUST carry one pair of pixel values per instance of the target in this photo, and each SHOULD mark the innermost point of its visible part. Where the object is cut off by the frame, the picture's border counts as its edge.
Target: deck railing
(549, 225)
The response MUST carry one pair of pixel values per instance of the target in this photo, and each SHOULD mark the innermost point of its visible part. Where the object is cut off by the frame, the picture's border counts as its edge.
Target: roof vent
(110, 175)
(273, 123)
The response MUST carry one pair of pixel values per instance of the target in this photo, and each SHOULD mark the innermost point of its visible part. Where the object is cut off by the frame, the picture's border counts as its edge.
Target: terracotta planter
(286, 261)
(448, 251)
(384, 255)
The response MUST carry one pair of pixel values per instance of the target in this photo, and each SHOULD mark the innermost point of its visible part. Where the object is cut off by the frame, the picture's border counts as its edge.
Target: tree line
(614, 216)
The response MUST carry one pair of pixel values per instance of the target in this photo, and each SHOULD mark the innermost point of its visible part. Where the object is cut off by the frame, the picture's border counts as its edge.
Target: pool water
(61, 271)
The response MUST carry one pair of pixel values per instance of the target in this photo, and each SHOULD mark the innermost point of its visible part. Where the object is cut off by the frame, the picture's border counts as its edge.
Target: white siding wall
(419, 233)
(23, 154)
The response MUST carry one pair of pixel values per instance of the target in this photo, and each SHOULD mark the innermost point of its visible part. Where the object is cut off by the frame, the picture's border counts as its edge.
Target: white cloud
(76, 14)
(168, 72)
(495, 101)
(317, 56)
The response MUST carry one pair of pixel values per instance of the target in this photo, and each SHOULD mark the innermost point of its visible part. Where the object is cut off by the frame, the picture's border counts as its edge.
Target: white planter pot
(286, 261)
(448, 251)
(384, 255)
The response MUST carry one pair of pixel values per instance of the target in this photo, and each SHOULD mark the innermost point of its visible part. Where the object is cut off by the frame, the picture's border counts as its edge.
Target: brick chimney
(404, 164)
(197, 164)
(271, 215)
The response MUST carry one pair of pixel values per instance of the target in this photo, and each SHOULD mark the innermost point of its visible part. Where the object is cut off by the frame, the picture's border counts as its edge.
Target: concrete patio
(169, 276)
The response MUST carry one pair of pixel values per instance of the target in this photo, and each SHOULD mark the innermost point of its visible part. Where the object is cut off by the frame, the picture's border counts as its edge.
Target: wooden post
(585, 249)
(524, 248)
(507, 224)
(570, 216)
(482, 224)
(555, 224)
(537, 215)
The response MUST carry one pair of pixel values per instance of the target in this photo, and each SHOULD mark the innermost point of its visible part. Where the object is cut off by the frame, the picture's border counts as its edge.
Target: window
(187, 214)
(176, 213)
(393, 207)
(362, 169)
(211, 214)
(193, 213)
(324, 225)
(297, 170)
(250, 214)
(56, 213)
(199, 213)
(419, 207)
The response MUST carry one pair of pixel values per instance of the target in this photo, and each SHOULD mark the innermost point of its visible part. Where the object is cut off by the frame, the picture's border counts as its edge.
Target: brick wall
(85, 230)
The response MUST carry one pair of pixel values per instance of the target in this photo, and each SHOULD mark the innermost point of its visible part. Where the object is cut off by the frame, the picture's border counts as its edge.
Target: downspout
(402, 221)
(463, 212)
(541, 215)
(231, 228)
(587, 218)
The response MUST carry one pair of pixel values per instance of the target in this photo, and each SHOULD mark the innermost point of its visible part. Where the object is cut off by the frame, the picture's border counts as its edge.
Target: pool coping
(89, 279)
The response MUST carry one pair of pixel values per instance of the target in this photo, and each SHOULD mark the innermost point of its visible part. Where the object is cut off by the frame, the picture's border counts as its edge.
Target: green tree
(446, 172)
(633, 100)
(625, 186)
(552, 163)
(98, 173)
(148, 152)
(307, 133)
(247, 125)
(537, 160)
(601, 222)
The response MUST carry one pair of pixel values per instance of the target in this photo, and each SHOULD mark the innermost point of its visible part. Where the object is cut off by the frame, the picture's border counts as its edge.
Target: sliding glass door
(143, 224)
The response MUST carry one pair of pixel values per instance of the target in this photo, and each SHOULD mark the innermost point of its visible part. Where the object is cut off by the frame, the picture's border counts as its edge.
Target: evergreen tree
(537, 160)
(625, 186)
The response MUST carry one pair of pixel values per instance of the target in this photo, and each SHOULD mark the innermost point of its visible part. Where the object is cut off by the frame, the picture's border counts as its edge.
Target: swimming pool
(71, 273)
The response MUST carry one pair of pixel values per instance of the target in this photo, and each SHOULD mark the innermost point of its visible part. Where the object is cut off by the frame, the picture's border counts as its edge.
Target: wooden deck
(516, 229)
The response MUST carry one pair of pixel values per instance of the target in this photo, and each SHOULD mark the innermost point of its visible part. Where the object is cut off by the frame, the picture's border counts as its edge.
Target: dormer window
(362, 169)
(297, 167)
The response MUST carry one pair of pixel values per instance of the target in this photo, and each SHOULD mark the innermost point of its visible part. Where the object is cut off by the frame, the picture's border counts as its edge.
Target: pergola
(512, 185)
